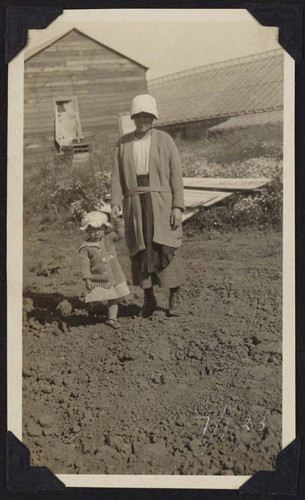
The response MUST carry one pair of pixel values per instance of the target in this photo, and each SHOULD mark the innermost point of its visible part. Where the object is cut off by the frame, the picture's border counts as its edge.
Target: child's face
(95, 233)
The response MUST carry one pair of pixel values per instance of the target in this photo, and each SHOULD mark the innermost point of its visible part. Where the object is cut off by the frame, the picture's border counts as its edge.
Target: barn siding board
(109, 86)
(78, 62)
(60, 52)
(38, 78)
(80, 55)
(95, 90)
(48, 124)
(86, 108)
(106, 105)
(108, 72)
(65, 83)
(112, 109)
(43, 76)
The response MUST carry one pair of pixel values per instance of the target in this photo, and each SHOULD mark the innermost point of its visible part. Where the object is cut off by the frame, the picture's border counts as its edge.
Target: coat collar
(103, 244)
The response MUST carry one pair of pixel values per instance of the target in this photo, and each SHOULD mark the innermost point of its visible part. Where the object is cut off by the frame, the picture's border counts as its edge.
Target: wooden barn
(74, 90)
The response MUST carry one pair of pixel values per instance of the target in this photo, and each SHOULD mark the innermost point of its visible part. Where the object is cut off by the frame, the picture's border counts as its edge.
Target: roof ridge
(221, 64)
(245, 112)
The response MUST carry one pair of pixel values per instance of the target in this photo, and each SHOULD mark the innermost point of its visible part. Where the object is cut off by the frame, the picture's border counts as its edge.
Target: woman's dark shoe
(174, 308)
(148, 307)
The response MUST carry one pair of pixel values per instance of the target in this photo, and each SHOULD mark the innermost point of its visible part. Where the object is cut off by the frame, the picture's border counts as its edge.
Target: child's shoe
(114, 323)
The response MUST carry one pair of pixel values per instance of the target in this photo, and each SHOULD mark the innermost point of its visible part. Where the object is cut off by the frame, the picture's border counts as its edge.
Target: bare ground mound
(198, 394)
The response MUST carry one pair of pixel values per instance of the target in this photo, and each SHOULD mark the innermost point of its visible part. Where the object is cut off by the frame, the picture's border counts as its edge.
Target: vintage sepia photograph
(155, 319)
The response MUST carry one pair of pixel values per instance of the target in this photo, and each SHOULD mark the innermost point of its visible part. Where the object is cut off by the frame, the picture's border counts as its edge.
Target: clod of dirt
(158, 378)
(26, 372)
(46, 421)
(274, 347)
(161, 350)
(28, 304)
(47, 389)
(125, 357)
(34, 324)
(194, 352)
(49, 431)
(228, 464)
(33, 429)
(95, 336)
(65, 307)
(227, 472)
(195, 446)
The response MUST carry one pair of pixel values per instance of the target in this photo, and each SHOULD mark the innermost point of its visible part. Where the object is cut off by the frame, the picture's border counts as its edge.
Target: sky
(167, 41)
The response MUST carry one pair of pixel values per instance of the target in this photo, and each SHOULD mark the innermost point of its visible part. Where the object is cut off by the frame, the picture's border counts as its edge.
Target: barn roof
(230, 88)
(275, 116)
(32, 52)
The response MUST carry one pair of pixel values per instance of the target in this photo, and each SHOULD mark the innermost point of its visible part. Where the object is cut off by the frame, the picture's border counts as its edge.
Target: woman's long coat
(165, 185)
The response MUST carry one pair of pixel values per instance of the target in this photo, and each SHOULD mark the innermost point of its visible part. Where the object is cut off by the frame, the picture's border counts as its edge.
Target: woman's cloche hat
(144, 103)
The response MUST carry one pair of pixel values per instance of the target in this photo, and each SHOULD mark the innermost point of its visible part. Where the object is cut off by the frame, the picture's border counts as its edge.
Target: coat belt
(147, 189)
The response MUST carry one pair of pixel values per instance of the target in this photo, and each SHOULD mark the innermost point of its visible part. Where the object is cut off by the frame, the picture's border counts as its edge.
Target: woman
(147, 173)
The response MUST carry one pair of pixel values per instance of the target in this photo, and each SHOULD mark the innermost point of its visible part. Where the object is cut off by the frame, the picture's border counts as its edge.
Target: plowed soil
(198, 394)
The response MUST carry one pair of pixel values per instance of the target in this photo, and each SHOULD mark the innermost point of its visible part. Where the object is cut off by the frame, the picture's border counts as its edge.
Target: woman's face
(143, 122)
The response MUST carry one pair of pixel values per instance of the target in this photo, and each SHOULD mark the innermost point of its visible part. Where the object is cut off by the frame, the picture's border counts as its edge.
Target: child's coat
(99, 263)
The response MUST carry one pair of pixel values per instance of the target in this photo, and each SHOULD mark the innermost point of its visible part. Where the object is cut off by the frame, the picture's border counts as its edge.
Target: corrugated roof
(251, 119)
(239, 86)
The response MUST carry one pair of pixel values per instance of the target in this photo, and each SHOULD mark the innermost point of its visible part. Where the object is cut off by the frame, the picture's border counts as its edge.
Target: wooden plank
(188, 214)
(82, 78)
(65, 70)
(73, 80)
(43, 115)
(224, 184)
(44, 96)
(62, 52)
(105, 92)
(115, 104)
(79, 61)
(195, 198)
(42, 101)
(98, 122)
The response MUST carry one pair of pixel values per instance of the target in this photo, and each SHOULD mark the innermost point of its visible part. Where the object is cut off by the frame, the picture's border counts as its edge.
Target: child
(101, 270)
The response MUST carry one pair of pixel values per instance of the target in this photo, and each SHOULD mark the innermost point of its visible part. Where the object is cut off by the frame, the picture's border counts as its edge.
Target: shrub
(260, 209)
(243, 153)
(63, 192)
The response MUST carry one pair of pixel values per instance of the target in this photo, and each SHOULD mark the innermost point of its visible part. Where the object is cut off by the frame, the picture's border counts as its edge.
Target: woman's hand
(176, 218)
(89, 284)
(115, 212)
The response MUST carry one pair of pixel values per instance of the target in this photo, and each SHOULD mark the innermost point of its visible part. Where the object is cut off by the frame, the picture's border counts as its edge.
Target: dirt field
(199, 394)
